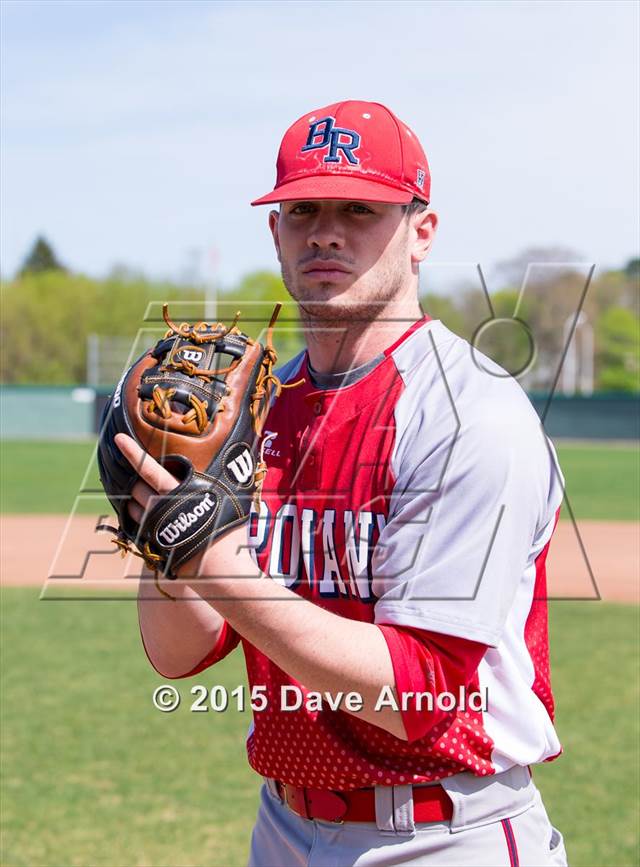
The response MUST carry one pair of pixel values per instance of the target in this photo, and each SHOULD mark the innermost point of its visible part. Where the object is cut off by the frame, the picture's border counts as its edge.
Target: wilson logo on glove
(194, 355)
(118, 394)
(174, 532)
(241, 466)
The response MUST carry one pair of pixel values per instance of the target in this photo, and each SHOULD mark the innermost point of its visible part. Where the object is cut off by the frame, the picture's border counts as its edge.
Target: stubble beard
(318, 307)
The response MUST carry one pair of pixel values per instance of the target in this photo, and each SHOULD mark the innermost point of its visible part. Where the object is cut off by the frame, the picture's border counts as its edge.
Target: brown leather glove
(197, 403)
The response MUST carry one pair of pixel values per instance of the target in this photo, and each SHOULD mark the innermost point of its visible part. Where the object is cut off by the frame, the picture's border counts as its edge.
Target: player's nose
(326, 231)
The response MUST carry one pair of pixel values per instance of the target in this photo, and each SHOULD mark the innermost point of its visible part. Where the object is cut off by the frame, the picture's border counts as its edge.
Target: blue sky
(137, 133)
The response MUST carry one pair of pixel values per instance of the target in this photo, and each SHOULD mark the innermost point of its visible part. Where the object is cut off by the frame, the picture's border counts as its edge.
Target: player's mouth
(326, 269)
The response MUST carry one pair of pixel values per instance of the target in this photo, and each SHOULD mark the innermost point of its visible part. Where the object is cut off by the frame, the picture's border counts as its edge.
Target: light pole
(211, 289)
(577, 370)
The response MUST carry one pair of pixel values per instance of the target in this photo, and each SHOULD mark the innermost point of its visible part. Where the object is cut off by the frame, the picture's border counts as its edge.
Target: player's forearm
(176, 635)
(321, 650)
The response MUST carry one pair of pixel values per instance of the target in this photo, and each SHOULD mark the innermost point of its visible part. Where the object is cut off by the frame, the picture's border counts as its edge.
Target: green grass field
(44, 477)
(602, 480)
(93, 775)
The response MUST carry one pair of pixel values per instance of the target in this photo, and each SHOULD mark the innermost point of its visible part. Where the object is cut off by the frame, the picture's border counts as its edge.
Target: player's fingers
(136, 511)
(142, 493)
(147, 467)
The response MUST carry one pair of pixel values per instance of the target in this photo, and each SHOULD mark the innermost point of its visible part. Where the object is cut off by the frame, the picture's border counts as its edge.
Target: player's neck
(336, 346)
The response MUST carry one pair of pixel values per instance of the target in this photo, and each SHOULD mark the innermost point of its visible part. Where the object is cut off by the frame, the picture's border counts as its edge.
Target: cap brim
(336, 186)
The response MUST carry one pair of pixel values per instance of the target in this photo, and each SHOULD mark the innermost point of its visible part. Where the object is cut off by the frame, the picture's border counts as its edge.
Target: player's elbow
(168, 670)
(174, 661)
(167, 666)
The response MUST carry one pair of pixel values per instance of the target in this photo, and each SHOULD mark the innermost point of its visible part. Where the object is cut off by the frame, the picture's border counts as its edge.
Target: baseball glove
(196, 402)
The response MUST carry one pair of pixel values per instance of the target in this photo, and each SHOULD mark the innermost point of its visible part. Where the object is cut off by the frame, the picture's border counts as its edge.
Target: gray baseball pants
(498, 820)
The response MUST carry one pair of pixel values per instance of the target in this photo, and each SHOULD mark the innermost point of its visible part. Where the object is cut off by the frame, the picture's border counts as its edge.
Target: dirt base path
(50, 552)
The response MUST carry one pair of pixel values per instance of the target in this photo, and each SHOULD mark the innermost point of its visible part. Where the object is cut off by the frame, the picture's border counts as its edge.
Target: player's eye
(302, 208)
(358, 208)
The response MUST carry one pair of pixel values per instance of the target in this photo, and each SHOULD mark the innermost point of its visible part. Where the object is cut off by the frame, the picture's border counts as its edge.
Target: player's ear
(273, 225)
(424, 225)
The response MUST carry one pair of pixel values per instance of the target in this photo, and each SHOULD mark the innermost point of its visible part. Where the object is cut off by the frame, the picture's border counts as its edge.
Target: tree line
(48, 313)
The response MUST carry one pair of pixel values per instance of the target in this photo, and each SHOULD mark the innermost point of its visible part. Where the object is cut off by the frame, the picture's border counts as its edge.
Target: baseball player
(397, 560)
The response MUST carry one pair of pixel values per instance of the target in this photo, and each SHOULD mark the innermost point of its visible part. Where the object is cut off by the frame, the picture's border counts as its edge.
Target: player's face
(339, 257)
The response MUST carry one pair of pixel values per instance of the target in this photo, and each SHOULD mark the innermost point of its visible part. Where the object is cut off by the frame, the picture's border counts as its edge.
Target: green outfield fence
(602, 416)
(60, 412)
(40, 412)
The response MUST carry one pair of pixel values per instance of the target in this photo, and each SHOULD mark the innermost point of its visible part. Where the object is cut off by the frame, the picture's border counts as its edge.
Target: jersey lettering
(285, 550)
(293, 539)
(358, 558)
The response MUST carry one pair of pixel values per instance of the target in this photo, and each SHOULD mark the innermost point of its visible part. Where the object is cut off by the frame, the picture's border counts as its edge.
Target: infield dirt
(591, 559)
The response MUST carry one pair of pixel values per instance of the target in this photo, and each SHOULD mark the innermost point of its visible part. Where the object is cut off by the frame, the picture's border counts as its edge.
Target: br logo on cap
(323, 133)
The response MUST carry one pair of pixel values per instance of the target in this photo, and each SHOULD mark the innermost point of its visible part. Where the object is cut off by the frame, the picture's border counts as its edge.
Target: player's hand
(154, 479)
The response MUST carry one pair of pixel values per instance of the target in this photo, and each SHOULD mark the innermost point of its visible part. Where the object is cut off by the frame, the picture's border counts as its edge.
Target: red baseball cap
(350, 150)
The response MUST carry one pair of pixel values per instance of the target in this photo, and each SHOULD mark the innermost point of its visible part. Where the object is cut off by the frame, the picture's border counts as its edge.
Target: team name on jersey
(284, 545)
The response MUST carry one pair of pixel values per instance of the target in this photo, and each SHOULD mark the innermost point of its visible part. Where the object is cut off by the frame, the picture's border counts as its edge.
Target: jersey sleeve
(474, 501)
(428, 662)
